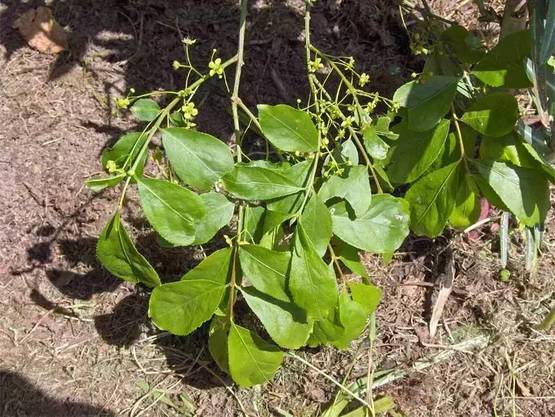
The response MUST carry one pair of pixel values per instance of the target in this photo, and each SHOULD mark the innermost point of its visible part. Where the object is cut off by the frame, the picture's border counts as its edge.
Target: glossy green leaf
(128, 145)
(197, 158)
(145, 109)
(524, 191)
(311, 282)
(467, 209)
(504, 65)
(290, 204)
(415, 152)
(432, 199)
(353, 186)
(117, 254)
(287, 128)
(316, 223)
(427, 101)
(254, 183)
(181, 307)
(99, 184)
(266, 270)
(374, 145)
(466, 46)
(383, 228)
(344, 153)
(252, 360)
(508, 148)
(172, 210)
(285, 322)
(218, 213)
(492, 115)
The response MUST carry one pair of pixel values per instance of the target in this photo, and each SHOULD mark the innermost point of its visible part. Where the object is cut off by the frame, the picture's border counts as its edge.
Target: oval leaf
(492, 115)
(525, 192)
(427, 101)
(311, 282)
(145, 109)
(353, 186)
(316, 224)
(197, 158)
(287, 128)
(252, 360)
(504, 65)
(382, 229)
(432, 199)
(117, 254)
(415, 152)
(249, 182)
(219, 211)
(181, 307)
(285, 322)
(171, 210)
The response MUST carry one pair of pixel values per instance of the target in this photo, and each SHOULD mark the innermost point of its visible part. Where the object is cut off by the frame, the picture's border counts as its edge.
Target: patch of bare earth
(75, 341)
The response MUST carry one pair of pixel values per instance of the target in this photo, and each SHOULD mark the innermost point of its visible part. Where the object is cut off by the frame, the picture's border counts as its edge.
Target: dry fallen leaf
(41, 31)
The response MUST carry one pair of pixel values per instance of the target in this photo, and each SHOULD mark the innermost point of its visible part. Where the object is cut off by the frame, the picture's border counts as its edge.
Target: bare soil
(74, 341)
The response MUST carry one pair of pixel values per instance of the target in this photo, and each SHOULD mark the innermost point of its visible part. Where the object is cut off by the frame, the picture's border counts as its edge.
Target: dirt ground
(74, 341)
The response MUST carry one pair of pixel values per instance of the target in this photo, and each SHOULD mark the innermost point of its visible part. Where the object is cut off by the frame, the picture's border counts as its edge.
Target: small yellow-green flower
(176, 65)
(123, 102)
(188, 41)
(111, 166)
(216, 67)
(315, 65)
(363, 79)
(189, 111)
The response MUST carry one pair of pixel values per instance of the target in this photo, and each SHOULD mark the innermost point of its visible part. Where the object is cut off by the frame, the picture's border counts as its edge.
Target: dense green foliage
(337, 178)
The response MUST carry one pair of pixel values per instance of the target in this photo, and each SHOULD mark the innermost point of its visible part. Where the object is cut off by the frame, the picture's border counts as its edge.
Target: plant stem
(239, 155)
(459, 136)
(235, 100)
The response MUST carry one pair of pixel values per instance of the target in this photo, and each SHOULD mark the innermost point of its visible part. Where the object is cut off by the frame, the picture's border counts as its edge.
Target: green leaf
(368, 296)
(197, 158)
(508, 148)
(344, 153)
(427, 101)
(128, 145)
(524, 191)
(219, 211)
(492, 115)
(172, 210)
(286, 323)
(467, 205)
(254, 223)
(287, 128)
(466, 46)
(352, 186)
(311, 282)
(348, 255)
(504, 65)
(316, 223)
(342, 325)
(266, 270)
(432, 199)
(99, 184)
(145, 109)
(415, 152)
(290, 204)
(217, 342)
(181, 307)
(252, 360)
(254, 183)
(116, 252)
(374, 145)
(383, 228)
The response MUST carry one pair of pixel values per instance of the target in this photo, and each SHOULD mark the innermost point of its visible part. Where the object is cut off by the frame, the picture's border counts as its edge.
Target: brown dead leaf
(41, 31)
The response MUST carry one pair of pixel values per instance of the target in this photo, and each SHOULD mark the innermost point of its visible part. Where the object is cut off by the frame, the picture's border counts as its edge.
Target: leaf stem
(460, 137)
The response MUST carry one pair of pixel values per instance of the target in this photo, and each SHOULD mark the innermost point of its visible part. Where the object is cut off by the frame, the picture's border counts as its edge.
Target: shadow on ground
(19, 397)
